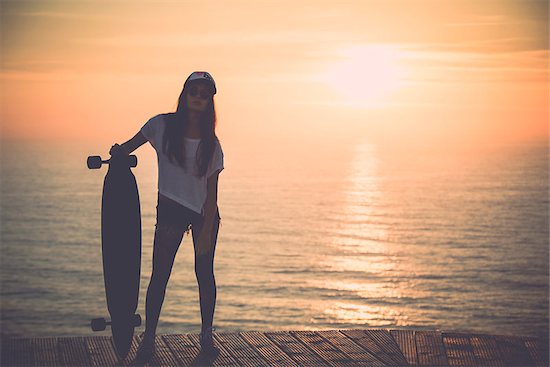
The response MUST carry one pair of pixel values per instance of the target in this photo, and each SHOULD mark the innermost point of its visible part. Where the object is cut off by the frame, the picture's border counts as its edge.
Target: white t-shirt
(175, 182)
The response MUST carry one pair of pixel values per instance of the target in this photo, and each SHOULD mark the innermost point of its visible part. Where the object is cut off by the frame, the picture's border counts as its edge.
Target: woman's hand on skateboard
(117, 149)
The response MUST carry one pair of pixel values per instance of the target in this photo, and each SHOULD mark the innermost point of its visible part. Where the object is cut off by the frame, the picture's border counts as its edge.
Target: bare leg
(204, 271)
(165, 247)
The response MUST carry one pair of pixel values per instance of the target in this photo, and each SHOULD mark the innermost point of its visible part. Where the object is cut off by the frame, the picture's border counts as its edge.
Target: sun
(365, 75)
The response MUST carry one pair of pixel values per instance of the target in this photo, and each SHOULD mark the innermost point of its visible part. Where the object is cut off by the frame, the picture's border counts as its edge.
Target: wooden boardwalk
(328, 348)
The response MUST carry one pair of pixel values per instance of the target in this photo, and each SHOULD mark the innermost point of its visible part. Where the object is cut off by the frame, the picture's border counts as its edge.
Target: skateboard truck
(95, 161)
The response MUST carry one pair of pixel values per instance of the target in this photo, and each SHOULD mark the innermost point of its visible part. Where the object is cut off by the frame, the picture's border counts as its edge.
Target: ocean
(357, 236)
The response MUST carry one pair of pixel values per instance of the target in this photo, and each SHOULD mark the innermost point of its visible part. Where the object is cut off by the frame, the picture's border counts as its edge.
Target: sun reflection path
(361, 224)
(372, 315)
(361, 255)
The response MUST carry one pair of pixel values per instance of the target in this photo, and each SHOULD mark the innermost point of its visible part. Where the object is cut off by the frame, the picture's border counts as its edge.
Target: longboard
(120, 248)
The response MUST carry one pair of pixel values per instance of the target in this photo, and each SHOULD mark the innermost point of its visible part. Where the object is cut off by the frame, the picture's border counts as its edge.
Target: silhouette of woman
(190, 159)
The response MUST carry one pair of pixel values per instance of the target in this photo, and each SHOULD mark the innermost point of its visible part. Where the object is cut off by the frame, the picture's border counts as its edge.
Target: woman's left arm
(210, 208)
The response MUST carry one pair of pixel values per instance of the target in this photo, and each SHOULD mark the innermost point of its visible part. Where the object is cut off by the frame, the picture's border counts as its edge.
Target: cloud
(476, 67)
(215, 39)
(487, 45)
(60, 15)
(484, 20)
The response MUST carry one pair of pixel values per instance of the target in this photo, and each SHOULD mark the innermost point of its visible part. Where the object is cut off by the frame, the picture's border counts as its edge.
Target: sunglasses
(204, 93)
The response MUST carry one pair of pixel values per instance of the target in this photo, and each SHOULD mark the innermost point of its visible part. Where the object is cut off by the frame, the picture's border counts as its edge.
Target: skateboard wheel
(98, 324)
(137, 320)
(94, 162)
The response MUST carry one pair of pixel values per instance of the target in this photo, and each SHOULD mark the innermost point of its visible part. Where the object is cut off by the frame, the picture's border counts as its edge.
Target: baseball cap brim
(201, 76)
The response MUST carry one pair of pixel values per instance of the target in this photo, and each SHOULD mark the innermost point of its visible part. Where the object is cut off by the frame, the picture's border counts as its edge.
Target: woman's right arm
(132, 144)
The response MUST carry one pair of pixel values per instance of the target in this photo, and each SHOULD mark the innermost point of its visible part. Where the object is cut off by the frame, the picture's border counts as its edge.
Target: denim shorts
(172, 214)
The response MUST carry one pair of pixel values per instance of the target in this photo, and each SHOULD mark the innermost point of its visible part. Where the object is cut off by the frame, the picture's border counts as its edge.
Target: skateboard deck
(120, 248)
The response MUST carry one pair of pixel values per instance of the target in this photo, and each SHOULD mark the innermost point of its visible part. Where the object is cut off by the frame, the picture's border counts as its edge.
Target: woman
(190, 159)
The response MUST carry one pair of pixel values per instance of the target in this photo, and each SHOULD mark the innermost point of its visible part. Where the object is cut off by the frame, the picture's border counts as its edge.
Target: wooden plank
(295, 349)
(73, 351)
(513, 351)
(185, 351)
(224, 359)
(15, 352)
(485, 350)
(130, 358)
(10, 355)
(7, 353)
(163, 355)
(387, 343)
(365, 341)
(241, 351)
(45, 351)
(346, 345)
(430, 348)
(268, 349)
(102, 352)
(458, 349)
(354, 347)
(328, 352)
(538, 350)
(406, 342)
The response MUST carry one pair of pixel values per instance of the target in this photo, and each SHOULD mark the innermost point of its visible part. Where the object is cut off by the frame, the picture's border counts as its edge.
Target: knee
(159, 281)
(204, 267)
(162, 267)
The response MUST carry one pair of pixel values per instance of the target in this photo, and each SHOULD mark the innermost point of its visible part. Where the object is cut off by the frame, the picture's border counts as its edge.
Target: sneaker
(207, 342)
(146, 347)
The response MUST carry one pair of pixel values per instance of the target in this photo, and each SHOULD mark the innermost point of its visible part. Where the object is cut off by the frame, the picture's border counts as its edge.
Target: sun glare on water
(366, 75)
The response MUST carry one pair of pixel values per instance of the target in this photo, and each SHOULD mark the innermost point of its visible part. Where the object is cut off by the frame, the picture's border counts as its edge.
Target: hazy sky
(393, 71)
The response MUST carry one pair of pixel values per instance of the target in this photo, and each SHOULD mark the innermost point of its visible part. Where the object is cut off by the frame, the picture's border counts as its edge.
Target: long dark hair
(172, 140)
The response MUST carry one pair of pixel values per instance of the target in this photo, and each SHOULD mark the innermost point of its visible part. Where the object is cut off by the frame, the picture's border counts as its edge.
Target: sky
(392, 72)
